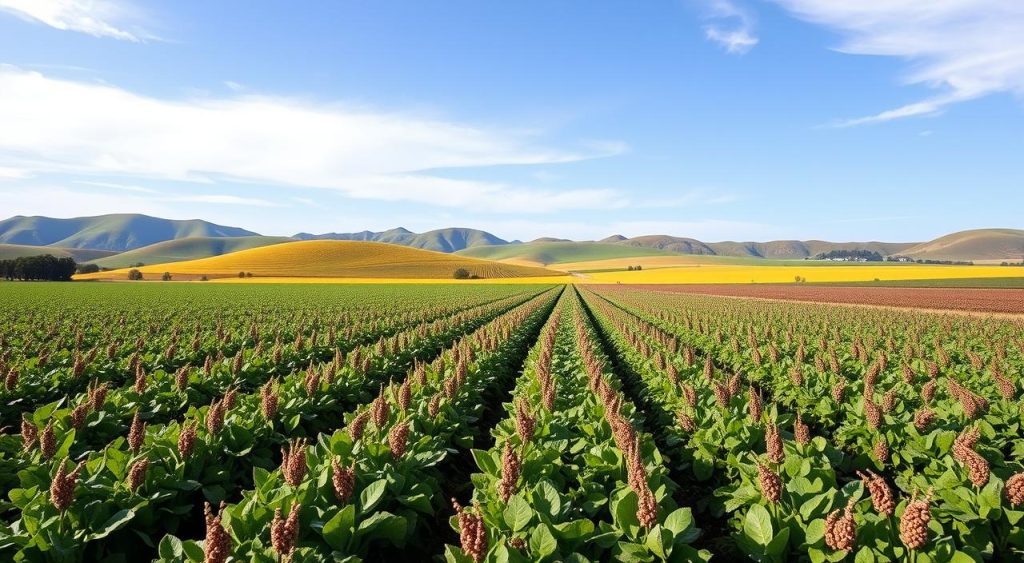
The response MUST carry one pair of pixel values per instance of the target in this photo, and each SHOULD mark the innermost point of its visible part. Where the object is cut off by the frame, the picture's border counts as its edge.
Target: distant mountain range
(113, 241)
(116, 233)
(440, 240)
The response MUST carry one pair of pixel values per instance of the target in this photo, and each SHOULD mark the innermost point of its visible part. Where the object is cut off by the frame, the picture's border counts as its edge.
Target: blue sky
(718, 119)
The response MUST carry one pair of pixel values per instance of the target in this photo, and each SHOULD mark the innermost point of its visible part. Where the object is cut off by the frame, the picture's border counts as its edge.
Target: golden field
(713, 273)
(331, 259)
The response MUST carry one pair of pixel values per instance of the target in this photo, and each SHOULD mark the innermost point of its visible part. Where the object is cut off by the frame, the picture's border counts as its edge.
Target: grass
(332, 259)
(551, 253)
(11, 251)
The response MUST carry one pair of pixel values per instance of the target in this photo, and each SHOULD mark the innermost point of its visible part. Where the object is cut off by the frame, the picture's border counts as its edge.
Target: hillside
(547, 253)
(10, 251)
(800, 249)
(118, 232)
(975, 245)
(440, 240)
(192, 248)
(332, 259)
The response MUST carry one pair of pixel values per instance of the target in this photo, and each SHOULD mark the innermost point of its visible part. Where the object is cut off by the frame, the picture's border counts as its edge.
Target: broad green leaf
(575, 530)
(758, 525)
(114, 523)
(517, 513)
(338, 529)
(542, 542)
(372, 495)
(680, 523)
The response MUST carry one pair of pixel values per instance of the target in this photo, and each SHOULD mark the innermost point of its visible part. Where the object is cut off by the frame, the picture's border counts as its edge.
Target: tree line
(38, 268)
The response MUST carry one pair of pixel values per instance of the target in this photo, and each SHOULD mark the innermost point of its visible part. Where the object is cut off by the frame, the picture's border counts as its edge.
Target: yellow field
(409, 281)
(331, 259)
(713, 273)
(645, 261)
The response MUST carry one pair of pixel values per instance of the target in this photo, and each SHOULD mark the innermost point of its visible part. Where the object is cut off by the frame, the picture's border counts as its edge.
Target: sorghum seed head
(398, 439)
(1015, 490)
(358, 424)
(217, 546)
(472, 533)
(881, 494)
(343, 479)
(48, 441)
(841, 531)
(284, 533)
(136, 433)
(771, 484)
(293, 462)
(914, 522)
(137, 474)
(62, 488)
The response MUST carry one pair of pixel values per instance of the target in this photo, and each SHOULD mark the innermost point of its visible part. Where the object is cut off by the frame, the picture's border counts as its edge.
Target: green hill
(561, 252)
(118, 232)
(191, 248)
(11, 251)
(978, 244)
(440, 240)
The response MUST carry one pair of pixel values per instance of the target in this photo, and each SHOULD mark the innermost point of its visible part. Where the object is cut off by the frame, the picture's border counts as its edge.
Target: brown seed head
(881, 495)
(343, 479)
(29, 432)
(511, 466)
(48, 441)
(187, 439)
(136, 433)
(841, 531)
(62, 488)
(293, 462)
(358, 424)
(1015, 490)
(771, 484)
(217, 546)
(284, 533)
(215, 417)
(472, 533)
(914, 522)
(525, 423)
(398, 439)
(137, 474)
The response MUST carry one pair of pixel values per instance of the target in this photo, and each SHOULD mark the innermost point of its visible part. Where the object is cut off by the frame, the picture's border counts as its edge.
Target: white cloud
(113, 186)
(707, 230)
(731, 26)
(99, 18)
(966, 49)
(62, 126)
(13, 173)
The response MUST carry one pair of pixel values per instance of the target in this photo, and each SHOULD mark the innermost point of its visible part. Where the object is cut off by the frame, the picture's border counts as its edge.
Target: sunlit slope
(979, 245)
(333, 259)
(551, 253)
(191, 248)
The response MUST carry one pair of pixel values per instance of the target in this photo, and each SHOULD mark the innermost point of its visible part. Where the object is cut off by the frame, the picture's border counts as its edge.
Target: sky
(896, 120)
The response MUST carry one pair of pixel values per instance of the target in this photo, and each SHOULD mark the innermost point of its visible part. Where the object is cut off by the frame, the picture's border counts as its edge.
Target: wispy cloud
(70, 127)
(114, 186)
(99, 18)
(13, 173)
(731, 26)
(222, 199)
(965, 49)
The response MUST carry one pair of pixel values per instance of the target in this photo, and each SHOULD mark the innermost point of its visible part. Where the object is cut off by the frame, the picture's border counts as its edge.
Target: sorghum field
(194, 422)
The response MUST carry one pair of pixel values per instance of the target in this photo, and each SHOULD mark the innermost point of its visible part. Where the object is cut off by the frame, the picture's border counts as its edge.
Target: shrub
(88, 269)
(134, 275)
(166, 276)
(461, 274)
(241, 274)
(204, 278)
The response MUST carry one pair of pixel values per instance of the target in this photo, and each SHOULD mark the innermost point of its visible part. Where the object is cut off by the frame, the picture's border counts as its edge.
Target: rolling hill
(118, 232)
(192, 248)
(548, 253)
(332, 259)
(977, 245)
(439, 240)
(10, 251)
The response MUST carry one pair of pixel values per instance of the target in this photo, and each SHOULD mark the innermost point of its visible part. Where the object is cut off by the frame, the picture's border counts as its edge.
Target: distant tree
(166, 276)
(134, 275)
(248, 274)
(88, 268)
(42, 268)
(629, 268)
(204, 278)
(461, 274)
(638, 268)
(241, 274)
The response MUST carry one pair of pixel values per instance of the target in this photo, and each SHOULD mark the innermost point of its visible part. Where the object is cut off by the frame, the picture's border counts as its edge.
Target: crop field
(487, 422)
(812, 273)
(970, 300)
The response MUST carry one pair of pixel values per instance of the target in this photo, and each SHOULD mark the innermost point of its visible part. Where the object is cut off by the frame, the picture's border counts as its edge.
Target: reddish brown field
(1006, 301)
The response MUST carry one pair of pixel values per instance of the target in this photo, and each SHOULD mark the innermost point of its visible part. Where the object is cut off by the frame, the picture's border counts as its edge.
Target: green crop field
(190, 422)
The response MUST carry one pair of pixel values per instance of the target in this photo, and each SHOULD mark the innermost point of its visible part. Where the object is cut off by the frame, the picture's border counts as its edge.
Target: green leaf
(114, 523)
(758, 525)
(517, 513)
(385, 526)
(485, 462)
(778, 543)
(624, 514)
(655, 541)
(542, 542)
(338, 529)
(680, 523)
(171, 549)
(577, 529)
(865, 555)
(372, 495)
